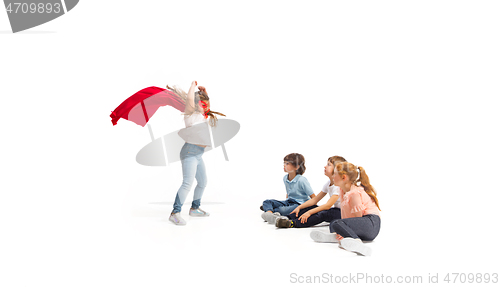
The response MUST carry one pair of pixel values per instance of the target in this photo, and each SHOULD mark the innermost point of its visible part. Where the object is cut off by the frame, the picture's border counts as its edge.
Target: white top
(196, 130)
(332, 190)
(193, 119)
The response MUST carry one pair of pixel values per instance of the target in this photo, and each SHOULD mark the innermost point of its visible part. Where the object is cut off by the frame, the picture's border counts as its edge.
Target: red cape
(141, 106)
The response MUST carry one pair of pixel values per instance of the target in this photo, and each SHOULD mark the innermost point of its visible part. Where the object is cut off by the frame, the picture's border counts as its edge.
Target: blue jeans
(192, 167)
(283, 207)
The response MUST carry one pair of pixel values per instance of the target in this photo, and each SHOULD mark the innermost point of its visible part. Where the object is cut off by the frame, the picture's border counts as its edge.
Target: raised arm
(190, 106)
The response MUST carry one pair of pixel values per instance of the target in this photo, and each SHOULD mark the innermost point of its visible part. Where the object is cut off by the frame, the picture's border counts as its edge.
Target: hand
(303, 218)
(339, 237)
(296, 211)
(201, 88)
(194, 83)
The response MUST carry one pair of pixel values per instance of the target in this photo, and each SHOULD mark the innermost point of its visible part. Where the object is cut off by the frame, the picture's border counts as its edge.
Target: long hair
(297, 160)
(203, 96)
(198, 96)
(346, 168)
(179, 92)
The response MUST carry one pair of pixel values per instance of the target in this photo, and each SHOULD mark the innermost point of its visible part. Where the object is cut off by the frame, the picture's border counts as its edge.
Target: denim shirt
(298, 188)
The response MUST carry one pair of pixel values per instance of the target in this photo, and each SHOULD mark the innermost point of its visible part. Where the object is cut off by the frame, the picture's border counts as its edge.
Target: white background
(406, 89)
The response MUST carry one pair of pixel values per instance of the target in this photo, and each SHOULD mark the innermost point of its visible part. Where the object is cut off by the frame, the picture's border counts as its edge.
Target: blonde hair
(349, 169)
(199, 96)
(203, 96)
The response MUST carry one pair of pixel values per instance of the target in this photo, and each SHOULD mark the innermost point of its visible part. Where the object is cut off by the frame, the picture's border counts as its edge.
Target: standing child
(298, 189)
(359, 208)
(309, 213)
(197, 137)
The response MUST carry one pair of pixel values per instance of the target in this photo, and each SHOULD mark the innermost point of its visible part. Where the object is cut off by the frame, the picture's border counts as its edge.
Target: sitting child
(359, 208)
(298, 189)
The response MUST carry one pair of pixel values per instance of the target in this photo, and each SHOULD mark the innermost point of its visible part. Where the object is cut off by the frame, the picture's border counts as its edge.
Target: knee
(335, 225)
(202, 183)
(187, 184)
(267, 205)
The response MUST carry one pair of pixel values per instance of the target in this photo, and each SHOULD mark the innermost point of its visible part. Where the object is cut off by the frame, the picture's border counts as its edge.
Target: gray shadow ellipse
(224, 131)
(153, 154)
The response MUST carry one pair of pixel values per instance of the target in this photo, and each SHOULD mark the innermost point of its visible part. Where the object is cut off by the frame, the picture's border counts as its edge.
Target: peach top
(356, 200)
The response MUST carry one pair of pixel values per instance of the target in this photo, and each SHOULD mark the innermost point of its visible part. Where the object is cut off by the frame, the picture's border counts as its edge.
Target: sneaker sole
(355, 246)
(177, 223)
(269, 217)
(200, 215)
(276, 215)
(319, 236)
(279, 219)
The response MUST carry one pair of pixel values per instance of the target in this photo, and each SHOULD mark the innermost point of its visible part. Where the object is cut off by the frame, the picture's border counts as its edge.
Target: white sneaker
(270, 217)
(356, 246)
(198, 212)
(320, 236)
(177, 219)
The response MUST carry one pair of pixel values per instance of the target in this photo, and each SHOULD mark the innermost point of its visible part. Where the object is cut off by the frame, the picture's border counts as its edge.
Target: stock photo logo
(141, 106)
(24, 15)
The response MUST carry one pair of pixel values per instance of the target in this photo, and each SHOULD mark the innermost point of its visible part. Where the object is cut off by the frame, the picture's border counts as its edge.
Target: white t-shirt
(194, 118)
(196, 131)
(332, 190)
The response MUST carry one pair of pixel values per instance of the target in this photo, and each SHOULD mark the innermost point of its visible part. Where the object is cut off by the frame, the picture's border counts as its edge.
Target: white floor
(235, 244)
